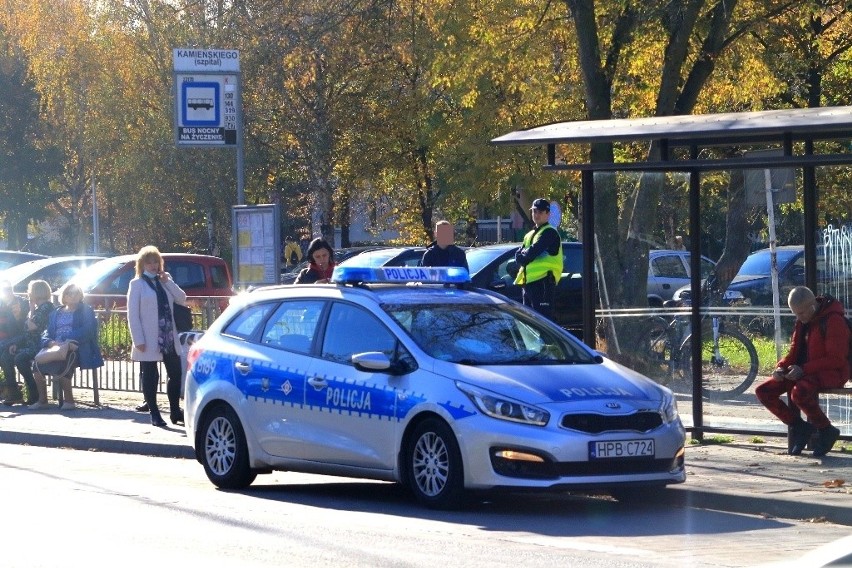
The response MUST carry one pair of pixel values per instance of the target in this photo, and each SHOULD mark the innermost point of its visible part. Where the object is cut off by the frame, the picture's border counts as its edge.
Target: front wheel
(223, 448)
(433, 465)
(728, 367)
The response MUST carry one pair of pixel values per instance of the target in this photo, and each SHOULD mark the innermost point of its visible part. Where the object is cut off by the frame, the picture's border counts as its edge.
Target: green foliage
(114, 337)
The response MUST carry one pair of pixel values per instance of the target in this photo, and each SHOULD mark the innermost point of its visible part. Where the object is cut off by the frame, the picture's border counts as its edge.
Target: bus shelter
(681, 143)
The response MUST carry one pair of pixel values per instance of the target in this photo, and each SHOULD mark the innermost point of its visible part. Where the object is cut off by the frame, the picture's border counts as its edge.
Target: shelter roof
(701, 130)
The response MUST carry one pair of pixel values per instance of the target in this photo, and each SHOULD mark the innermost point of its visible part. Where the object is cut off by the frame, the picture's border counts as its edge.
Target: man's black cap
(541, 205)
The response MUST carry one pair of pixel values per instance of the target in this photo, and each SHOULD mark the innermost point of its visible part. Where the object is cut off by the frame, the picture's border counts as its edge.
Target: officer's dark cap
(541, 205)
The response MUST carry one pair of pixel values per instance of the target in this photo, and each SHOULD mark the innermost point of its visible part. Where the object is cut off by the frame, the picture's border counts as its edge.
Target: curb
(751, 504)
(97, 444)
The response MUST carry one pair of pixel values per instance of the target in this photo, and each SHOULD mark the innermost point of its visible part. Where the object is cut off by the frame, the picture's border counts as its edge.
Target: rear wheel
(224, 452)
(725, 372)
(434, 466)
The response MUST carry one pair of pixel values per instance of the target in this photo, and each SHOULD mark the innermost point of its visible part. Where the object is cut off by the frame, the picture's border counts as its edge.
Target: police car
(411, 375)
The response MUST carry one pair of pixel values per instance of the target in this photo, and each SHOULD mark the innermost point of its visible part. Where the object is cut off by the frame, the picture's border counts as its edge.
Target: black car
(490, 268)
(753, 281)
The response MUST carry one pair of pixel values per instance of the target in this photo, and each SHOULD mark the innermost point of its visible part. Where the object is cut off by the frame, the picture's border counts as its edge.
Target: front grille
(642, 421)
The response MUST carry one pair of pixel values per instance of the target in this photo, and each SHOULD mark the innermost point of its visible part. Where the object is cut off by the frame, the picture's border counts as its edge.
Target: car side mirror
(371, 361)
(376, 361)
(512, 268)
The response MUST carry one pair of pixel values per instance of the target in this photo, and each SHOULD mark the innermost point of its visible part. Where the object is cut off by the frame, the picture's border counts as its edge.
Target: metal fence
(119, 373)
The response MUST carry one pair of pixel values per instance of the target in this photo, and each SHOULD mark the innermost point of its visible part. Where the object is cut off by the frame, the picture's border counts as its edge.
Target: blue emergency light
(400, 274)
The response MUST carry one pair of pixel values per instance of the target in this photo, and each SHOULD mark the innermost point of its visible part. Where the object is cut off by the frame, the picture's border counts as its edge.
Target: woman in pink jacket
(153, 331)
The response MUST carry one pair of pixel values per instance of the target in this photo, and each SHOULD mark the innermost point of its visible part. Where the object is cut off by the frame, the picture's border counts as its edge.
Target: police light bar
(403, 274)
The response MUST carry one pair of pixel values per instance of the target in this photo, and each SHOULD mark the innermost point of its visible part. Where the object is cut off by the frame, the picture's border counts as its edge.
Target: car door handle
(318, 383)
(243, 368)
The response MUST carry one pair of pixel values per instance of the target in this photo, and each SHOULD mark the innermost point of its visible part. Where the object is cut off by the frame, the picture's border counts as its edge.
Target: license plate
(621, 449)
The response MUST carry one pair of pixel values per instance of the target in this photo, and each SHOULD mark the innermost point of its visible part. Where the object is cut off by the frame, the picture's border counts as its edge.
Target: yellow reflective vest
(539, 267)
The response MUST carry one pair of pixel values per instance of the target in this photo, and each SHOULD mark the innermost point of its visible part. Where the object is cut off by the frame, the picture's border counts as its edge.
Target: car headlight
(503, 408)
(668, 408)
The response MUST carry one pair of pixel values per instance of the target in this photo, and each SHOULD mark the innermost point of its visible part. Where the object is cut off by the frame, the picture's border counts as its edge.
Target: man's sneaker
(801, 436)
(13, 400)
(825, 441)
(68, 406)
(38, 405)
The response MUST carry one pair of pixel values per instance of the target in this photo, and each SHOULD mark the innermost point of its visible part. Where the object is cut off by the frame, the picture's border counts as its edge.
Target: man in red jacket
(818, 359)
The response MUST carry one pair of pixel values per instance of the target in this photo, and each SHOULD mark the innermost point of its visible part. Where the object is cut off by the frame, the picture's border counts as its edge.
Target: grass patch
(757, 440)
(715, 439)
(766, 355)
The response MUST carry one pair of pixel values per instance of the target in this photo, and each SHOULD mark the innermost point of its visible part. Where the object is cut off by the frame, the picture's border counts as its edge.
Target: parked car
(10, 258)
(446, 390)
(753, 282)
(392, 256)
(55, 270)
(490, 268)
(668, 271)
(105, 283)
(340, 255)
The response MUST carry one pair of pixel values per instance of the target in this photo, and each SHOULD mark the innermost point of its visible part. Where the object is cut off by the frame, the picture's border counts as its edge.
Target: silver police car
(412, 376)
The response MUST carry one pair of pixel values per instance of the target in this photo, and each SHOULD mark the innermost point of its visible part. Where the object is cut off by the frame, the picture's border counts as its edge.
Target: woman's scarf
(165, 335)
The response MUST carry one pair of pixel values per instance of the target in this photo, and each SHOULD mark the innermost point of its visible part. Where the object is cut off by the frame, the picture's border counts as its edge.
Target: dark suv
(490, 268)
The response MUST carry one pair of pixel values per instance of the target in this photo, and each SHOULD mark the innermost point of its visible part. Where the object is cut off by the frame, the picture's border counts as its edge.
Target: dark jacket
(313, 273)
(450, 256)
(84, 331)
(827, 355)
(40, 317)
(11, 328)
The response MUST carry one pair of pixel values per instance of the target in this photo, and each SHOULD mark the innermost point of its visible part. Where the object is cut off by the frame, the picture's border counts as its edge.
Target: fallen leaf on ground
(834, 483)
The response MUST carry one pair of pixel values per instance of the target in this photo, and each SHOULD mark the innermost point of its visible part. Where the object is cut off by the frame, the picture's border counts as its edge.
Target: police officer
(540, 261)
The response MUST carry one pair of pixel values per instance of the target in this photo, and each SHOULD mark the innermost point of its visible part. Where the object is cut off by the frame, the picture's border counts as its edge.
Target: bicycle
(729, 362)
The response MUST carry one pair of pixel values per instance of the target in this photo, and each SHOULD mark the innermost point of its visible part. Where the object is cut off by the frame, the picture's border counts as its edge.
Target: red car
(105, 283)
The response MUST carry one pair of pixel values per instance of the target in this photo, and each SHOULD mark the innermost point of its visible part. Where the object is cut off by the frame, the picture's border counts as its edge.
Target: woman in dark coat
(319, 271)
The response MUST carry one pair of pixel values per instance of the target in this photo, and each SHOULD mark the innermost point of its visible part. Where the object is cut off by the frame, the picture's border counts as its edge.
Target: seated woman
(23, 351)
(73, 321)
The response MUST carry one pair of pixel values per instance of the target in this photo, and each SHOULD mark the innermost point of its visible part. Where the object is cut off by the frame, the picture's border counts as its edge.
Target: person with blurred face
(442, 251)
(13, 312)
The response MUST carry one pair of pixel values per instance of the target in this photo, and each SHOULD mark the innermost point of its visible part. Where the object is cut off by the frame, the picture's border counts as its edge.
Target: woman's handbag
(183, 317)
(59, 359)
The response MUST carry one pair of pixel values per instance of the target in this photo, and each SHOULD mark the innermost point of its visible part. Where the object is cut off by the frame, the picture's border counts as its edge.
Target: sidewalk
(743, 477)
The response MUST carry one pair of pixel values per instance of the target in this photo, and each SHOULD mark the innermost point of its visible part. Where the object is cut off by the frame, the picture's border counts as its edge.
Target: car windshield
(758, 264)
(89, 278)
(478, 258)
(486, 334)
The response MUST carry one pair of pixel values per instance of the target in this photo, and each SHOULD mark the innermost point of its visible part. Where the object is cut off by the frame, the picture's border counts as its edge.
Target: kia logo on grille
(613, 405)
